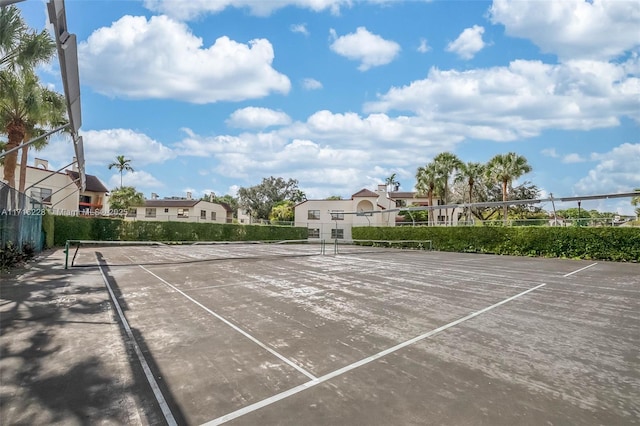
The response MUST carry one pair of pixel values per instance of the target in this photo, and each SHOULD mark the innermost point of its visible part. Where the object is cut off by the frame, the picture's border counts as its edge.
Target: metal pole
(66, 255)
(36, 139)
(72, 182)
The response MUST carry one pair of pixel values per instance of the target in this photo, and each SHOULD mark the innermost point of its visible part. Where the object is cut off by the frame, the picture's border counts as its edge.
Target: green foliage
(282, 212)
(125, 197)
(259, 200)
(100, 229)
(617, 244)
(48, 226)
(11, 256)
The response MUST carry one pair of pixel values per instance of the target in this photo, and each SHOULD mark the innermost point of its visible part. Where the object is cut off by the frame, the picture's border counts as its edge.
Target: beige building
(181, 209)
(333, 219)
(59, 192)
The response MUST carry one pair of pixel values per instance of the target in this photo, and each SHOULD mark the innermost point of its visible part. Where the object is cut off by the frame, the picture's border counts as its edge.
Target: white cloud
(299, 28)
(424, 46)
(616, 171)
(573, 158)
(141, 180)
(161, 59)
(257, 118)
(101, 148)
(550, 152)
(523, 99)
(370, 49)
(598, 29)
(311, 84)
(468, 43)
(191, 9)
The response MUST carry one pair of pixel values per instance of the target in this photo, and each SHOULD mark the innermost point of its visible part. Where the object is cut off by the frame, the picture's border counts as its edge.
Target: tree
(428, 183)
(470, 173)
(20, 50)
(635, 201)
(445, 164)
(19, 104)
(504, 168)
(51, 112)
(258, 200)
(125, 197)
(282, 212)
(334, 197)
(392, 183)
(21, 47)
(121, 164)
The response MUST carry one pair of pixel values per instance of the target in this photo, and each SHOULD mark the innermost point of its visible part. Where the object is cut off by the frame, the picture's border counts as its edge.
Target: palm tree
(392, 183)
(19, 102)
(121, 164)
(19, 46)
(428, 182)
(446, 163)
(504, 168)
(470, 173)
(51, 111)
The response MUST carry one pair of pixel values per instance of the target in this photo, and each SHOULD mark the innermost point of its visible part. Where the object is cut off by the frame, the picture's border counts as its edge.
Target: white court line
(166, 411)
(268, 401)
(581, 269)
(235, 327)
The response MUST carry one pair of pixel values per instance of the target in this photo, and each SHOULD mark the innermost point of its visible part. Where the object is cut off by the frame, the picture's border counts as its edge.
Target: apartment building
(184, 209)
(60, 192)
(334, 219)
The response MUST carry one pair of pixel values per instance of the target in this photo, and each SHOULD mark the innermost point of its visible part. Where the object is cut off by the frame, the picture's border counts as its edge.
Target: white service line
(235, 327)
(166, 411)
(581, 269)
(268, 401)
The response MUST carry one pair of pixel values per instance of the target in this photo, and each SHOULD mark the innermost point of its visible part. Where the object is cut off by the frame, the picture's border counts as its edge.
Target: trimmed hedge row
(100, 229)
(617, 244)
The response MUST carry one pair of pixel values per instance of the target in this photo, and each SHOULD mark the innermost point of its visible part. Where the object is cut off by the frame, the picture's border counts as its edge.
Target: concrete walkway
(63, 356)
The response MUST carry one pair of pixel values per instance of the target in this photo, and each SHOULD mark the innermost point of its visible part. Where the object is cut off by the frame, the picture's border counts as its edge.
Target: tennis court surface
(282, 335)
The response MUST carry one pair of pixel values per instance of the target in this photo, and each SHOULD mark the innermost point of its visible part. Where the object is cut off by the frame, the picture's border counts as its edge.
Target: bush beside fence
(617, 244)
(101, 229)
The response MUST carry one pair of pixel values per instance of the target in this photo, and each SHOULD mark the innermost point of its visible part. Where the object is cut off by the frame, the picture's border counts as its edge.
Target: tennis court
(269, 334)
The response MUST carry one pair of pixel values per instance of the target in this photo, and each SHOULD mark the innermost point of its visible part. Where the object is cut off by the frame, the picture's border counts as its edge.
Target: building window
(183, 213)
(213, 215)
(203, 214)
(132, 212)
(42, 195)
(85, 199)
(401, 203)
(442, 219)
(150, 212)
(441, 202)
(313, 215)
(313, 233)
(337, 215)
(337, 233)
(166, 210)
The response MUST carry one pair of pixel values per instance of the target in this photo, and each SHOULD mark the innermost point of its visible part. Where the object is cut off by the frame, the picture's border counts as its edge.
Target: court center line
(278, 397)
(166, 411)
(235, 327)
(581, 269)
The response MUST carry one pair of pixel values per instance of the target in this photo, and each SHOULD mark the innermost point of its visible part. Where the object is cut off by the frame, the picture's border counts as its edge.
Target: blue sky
(208, 96)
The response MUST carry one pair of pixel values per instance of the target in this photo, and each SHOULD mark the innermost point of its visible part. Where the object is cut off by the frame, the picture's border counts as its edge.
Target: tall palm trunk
(22, 182)
(16, 136)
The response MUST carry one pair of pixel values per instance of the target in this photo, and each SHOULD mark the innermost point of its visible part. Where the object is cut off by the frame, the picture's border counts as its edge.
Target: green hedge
(99, 229)
(48, 227)
(618, 244)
